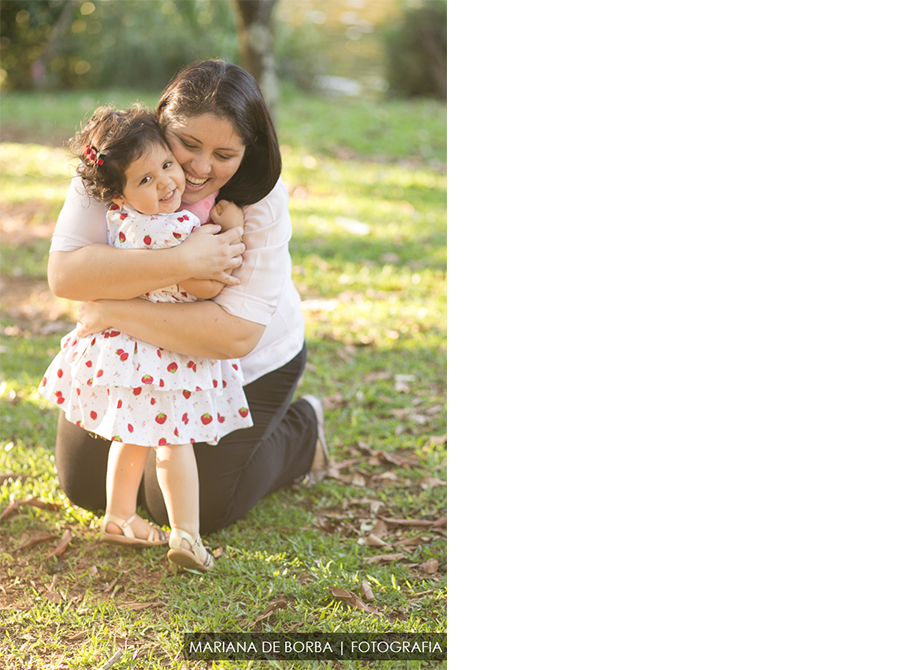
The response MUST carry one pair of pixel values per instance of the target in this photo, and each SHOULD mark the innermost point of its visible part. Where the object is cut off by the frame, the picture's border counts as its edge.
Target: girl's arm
(83, 266)
(201, 329)
(229, 216)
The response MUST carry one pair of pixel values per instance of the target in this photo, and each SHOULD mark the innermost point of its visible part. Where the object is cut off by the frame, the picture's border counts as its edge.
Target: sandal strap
(124, 524)
(177, 535)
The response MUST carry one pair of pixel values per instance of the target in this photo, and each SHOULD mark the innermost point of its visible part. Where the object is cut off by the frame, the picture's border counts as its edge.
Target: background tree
(417, 52)
(257, 38)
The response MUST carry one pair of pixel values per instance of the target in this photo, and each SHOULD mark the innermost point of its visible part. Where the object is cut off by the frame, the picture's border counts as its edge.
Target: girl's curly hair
(110, 141)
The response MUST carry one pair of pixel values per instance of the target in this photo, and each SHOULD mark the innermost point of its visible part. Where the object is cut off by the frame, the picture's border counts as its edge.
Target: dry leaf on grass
(40, 539)
(270, 610)
(380, 529)
(8, 476)
(365, 590)
(34, 502)
(137, 607)
(63, 543)
(373, 541)
(351, 600)
(383, 558)
(422, 523)
(430, 566)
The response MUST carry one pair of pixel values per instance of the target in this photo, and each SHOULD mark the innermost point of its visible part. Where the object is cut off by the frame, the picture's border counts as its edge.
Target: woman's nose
(200, 166)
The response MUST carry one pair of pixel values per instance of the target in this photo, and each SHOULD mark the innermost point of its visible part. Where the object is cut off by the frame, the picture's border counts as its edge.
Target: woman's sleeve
(81, 222)
(267, 260)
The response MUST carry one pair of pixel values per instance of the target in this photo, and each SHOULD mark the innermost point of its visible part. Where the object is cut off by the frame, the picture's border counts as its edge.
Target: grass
(368, 204)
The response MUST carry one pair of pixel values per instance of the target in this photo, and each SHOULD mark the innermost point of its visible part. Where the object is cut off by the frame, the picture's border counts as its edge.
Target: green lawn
(368, 184)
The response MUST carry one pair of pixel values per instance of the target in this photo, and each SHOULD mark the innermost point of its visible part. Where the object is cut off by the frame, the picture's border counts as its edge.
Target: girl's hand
(91, 318)
(214, 255)
(227, 214)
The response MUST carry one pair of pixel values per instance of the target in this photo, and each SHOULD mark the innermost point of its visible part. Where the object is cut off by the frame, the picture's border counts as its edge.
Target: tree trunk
(257, 37)
(39, 66)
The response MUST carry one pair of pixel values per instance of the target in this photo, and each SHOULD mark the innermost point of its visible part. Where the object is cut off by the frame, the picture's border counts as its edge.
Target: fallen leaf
(401, 387)
(351, 599)
(40, 504)
(137, 607)
(54, 597)
(383, 558)
(8, 476)
(35, 540)
(271, 608)
(372, 541)
(112, 661)
(365, 590)
(422, 523)
(430, 566)
(63, 543)
(377, 376)
(10, 508)
(379, 529)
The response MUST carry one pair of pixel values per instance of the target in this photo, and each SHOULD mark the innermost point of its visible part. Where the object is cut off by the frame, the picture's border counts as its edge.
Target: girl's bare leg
(176, 469)
(124, 470)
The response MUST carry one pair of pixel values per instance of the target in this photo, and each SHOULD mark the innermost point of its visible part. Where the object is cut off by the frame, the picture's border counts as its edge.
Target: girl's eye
(145, 180)
(167, 165)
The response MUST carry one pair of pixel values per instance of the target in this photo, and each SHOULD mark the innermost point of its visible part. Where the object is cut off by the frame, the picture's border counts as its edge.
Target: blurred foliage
(417, 51)
(74, 44)
(319, 44)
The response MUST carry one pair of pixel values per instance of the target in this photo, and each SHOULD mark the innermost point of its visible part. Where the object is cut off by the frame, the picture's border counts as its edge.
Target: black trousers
(237, 473)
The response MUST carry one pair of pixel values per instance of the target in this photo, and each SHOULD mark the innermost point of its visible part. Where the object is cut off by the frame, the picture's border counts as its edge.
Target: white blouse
(266, 294)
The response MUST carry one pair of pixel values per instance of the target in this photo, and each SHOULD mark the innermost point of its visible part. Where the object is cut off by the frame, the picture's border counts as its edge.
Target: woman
(221, 133)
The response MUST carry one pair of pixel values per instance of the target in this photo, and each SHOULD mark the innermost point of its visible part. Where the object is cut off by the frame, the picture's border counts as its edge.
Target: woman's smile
(209, 150)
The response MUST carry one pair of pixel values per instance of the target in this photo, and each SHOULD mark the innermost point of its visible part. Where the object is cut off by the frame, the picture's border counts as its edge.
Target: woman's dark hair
(110, 141)
(229, 92)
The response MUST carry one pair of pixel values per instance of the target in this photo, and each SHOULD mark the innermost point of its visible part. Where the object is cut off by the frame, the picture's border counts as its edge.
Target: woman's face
(209, 150)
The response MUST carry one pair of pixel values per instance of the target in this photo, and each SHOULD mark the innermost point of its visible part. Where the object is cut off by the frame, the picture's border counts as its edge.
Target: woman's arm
(83, 266)
(100, 271)
(201, 329)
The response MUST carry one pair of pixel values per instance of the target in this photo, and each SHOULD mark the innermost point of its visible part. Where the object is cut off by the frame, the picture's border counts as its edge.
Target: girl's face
(210, 151)
(153, 183)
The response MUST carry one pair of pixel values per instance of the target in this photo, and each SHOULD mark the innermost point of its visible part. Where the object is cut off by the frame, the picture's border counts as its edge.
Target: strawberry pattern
(127, 390)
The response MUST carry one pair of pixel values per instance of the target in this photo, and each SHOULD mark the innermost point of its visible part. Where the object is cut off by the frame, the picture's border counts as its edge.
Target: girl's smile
(153, 183)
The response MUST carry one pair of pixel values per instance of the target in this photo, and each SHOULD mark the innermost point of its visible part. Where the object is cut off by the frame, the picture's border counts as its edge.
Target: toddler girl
(128, 391)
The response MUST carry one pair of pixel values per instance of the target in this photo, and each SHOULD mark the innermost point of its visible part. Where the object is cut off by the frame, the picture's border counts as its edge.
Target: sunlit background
(372, 48)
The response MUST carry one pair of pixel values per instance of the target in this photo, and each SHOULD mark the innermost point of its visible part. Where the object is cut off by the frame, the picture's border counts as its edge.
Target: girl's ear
(119, 200)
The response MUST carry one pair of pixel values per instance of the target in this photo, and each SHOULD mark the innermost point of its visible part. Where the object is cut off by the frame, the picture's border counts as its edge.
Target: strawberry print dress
(127, 390)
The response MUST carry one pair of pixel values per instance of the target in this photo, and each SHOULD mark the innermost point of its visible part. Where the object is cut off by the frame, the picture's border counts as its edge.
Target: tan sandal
(321, 459)
(155, 538)
(188, 559)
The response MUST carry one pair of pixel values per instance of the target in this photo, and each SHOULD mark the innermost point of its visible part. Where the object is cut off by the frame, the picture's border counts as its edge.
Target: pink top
(266, 295)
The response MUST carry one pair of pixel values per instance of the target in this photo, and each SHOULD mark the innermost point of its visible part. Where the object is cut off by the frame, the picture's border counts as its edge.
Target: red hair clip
(90, 153)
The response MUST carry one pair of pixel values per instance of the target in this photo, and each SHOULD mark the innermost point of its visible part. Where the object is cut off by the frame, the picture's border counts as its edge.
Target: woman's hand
(91, 318)
(213, 254)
